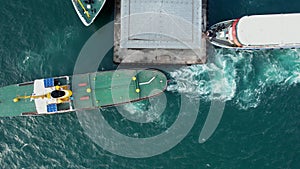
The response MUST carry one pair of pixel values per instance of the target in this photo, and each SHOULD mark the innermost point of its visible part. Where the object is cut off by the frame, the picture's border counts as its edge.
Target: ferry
(273, 31)
(87, 10)
(80, 92)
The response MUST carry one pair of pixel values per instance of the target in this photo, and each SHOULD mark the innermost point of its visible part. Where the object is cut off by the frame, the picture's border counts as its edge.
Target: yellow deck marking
(85, 11)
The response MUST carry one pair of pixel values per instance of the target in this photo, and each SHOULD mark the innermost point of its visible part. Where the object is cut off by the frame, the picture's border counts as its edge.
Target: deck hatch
(51, 108)
(49, 82)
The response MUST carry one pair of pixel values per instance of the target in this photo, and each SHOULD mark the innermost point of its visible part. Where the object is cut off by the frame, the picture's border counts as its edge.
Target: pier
(160, 32)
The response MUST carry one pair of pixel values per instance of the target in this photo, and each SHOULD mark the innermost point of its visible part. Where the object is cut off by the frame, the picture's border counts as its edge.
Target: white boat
(274, 31)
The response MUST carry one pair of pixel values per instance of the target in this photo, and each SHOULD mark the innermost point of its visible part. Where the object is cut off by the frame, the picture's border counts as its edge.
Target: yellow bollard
(57, 87)
(15, 100)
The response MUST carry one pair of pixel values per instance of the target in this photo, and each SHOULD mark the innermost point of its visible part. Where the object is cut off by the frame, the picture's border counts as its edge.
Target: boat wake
(144, 111)
(242, 77)
(205, 81)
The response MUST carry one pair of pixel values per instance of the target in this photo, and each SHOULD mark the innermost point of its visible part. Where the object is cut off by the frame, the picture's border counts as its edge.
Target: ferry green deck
(8, 107)
(111, 88)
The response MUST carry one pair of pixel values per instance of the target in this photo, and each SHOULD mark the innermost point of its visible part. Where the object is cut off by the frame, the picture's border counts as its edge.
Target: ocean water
(259, 128)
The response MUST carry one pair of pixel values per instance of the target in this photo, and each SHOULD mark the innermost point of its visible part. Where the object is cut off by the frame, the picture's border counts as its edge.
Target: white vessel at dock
(257, 32)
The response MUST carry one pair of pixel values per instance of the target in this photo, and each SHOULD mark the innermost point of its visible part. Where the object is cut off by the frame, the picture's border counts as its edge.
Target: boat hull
(254, 33)
(90, 91)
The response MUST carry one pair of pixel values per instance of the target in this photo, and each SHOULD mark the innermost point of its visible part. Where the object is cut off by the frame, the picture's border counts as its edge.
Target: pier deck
(160, 32)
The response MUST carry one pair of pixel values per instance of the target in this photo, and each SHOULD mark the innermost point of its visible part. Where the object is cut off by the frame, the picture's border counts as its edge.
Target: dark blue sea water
(259, 129)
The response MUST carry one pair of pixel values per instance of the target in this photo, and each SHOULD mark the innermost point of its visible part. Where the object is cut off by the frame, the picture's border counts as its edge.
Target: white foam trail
(144, 112)
(210, 81)
(239, 76)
